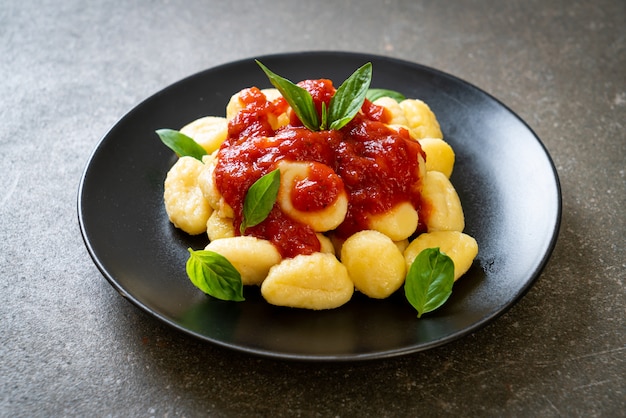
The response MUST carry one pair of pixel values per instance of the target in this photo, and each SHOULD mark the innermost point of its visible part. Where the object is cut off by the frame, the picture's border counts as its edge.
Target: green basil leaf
(214, 275)
(373, 94)
(260, 199)
(429, 281)
(324, 124)
(181, 144)
(349, 97)
(298, 98)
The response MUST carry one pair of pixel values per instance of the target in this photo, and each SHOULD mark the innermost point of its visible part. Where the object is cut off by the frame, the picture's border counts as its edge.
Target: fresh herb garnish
(260, 199)
(373, 94)
(214, 275)
(429, 282)
(181, 144)
(298, 98)
(324, 124)
(349, 97)
(342, 108)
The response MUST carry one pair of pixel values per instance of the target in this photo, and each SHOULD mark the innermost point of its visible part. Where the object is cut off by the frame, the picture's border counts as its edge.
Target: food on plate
(421, 121)
(209, 132)
(398, 223)
(311, 191)
(439, 194)
(460, 247)
(298, 180)
(312, 281)
(185, 203)
(252, 257)
(440, 155)
(219, 227)
(375, 264)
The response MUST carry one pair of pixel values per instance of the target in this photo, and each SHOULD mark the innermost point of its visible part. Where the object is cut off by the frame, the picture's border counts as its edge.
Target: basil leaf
(181, 144)
(349, 97)
(373, 94)
(214, 275)
(429, 282)
(324, 123)
(260, 199)
(298, 98)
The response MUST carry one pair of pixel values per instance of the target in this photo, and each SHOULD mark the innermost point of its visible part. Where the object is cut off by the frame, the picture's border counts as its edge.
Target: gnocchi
(460, 247)
(251, 257)
(209, 132)
(440, 155)
(316, 281)
(206, 183)
(185, 204)
(444, 211)
(326, 245)
(399, 223)
(219, 227)
(397, 112)
(235, 105)
(375, 276)
(295, 173)
(354, 207)
(421, 121)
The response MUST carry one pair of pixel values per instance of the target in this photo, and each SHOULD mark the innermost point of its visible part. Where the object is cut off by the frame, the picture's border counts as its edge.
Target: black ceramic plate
(505, 178)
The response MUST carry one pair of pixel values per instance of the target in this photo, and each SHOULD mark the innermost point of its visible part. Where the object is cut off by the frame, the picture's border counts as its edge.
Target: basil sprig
(298, 98)
(373, 94)
(343, 106)
(214, 275)
(429, 281)
(260, 199)
(349, 97)
(181, 144)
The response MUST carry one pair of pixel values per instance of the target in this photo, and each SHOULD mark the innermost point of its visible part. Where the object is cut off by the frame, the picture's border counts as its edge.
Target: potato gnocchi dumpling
(444, 211)
(209, 132)
(185, 204)
(218, 227)
(375, 259)
(397, 113)
(295, 174)
(460, 247)
(398, 224)
(206, 182)
(316, 281)
(374, 263)
(235, 105)
(440, 155)
(252, 257)
(421, 121)
(326, 245)
(402, 244)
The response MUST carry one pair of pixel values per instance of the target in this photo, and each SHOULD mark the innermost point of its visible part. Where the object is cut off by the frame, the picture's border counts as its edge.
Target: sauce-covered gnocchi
(353, 205)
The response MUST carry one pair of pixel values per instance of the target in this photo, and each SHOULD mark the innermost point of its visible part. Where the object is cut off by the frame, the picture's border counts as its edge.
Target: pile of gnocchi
(373, 261)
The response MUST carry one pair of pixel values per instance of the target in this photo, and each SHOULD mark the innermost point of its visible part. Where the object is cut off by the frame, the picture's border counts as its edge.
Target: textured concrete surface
(71, 346)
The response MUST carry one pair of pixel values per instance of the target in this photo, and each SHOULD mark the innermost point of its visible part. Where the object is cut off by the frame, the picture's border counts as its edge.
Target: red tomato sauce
(319, 190)
(378, 166)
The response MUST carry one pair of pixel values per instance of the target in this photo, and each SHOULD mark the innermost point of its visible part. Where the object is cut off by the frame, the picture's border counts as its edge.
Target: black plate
(505, 178)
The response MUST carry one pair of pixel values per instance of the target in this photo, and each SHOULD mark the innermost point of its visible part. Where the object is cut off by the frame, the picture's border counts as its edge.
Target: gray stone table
(71, 346)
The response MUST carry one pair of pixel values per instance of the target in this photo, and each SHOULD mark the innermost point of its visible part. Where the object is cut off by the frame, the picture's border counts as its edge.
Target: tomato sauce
(377, 166)
(319, 190)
